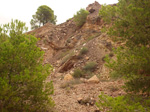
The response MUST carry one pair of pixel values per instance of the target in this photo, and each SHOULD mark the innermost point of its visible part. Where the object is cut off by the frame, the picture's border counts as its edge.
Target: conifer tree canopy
(43, 15)
(130, 24)
(22, 73)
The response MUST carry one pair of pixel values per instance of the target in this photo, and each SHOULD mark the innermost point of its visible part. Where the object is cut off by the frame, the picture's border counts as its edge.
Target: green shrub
(90, 66)
(22, 73)
(80, 17)
(133, 59)
(78, 73)
(123, 104)
(83, 51)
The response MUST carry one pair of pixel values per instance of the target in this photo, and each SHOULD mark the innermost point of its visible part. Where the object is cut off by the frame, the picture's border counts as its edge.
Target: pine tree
(44, 14)
(22, 74)
(130, 24)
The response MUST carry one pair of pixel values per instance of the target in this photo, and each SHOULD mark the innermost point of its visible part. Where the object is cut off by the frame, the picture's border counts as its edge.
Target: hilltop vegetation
(43, 15)
(80, 17)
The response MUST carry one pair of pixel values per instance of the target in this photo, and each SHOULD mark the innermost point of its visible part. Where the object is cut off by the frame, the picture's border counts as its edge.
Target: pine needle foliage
(22, 74)
(130, 24)
(80, 17)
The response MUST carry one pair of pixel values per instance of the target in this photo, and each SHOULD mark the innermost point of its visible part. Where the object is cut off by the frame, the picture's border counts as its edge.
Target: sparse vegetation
(66, 56)
(70, 83)
(45, 41)
(93, 36)
(80, 17)
(65, 59)
(68, 40)
(86, 71)
(90, 66)
(64, 85)
(88, 74)
(83, 51)
(78, 73)
(90, 38)
(64, 53)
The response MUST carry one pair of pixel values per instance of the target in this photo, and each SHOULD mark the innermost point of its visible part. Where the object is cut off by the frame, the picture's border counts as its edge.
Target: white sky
(24, 9)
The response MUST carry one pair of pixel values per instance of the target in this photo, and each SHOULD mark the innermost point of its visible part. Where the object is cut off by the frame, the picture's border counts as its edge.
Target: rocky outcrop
(68, 65)
(93, 17)
(40, 32)
(57, 39)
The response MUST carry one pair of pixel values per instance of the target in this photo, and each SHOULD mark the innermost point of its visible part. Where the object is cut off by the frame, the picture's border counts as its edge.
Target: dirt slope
(62, 45)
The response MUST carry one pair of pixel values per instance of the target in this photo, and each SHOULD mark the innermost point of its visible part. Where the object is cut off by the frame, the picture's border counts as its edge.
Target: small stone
(87, 58)
(68, 77)
(93, 79)
(79, 100)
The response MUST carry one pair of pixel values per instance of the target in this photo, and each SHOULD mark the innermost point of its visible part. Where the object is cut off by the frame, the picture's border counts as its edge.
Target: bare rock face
(93, 17)
(93, 79)
(91, 10)
(68, 65)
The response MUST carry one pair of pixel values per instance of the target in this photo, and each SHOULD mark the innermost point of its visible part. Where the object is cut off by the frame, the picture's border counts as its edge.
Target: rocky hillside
(69, 48)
